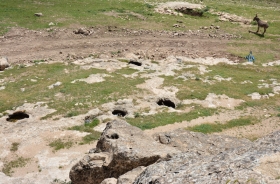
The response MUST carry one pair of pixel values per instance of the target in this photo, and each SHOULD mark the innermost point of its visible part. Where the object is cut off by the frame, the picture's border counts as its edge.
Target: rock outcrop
(120, 149)
(172, 8)
(232, 165)
(126, 155)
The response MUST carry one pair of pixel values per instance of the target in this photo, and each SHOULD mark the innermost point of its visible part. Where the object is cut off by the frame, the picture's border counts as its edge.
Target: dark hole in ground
(135, 63)
(113, 136)
(166, 102)
(121, 113)
(17, 116)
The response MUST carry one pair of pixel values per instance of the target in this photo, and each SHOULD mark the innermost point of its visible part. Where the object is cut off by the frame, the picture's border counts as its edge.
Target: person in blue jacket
(250, 57)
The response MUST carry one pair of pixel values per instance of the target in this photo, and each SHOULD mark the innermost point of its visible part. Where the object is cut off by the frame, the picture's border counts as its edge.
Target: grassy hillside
(128, 13)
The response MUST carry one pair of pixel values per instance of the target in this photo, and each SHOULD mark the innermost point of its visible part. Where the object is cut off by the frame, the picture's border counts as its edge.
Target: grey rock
(130, 176)
(120, 149)
(181, 156)
(231, 165)
(203, 144)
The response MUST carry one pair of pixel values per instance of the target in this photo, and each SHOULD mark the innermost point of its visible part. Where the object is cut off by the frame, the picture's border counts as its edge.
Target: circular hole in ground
(17, 116)
(113, 136)
(166, 102)
(135, 63)
(118, 112)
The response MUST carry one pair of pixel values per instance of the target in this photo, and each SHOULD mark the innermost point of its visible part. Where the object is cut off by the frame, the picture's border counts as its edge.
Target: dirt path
(21, 45)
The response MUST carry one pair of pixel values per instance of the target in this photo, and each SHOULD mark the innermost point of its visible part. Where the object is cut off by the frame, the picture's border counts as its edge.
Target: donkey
(260, 24)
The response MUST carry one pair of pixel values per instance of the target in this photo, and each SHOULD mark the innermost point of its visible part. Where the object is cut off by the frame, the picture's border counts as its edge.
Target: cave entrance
(119, 112)
(135, 63)
(166, 102)
(17, 116)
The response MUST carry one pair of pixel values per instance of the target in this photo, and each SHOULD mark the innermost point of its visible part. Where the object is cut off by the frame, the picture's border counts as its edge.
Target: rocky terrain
(125, 154)
(124, 151)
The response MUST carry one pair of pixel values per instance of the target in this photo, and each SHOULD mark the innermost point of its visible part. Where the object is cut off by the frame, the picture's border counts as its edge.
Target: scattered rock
(273, 63)
(51, 24)
(54, 85)
(4, 64)
(231, 17)
(83, 31)
(38, 14)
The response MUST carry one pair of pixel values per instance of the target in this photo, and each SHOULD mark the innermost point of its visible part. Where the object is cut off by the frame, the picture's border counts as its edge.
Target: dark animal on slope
(260, 24)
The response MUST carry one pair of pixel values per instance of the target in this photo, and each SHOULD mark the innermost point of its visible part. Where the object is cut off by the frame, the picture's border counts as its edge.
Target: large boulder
(252, 163)
(127, 155)
(120, 149)
(4, 63)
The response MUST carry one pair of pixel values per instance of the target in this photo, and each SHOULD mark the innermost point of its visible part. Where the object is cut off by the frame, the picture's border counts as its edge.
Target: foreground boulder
(125, 155)
(120, 149)
(255, 163)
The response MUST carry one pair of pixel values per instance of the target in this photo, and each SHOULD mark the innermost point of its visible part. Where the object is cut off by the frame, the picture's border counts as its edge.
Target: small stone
(38, 14)
(51, 24)
(4, 63)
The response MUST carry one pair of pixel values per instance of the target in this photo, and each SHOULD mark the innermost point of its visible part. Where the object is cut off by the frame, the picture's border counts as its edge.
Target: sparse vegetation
(78, 97)
(14, 147)
(87, 127)
(164, 118)
(9, 166)
(61, 144)
(58, 181)
(218, 127)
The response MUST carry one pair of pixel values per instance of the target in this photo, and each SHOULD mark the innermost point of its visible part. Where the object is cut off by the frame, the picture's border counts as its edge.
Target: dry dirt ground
(21, 45)
(24, 46)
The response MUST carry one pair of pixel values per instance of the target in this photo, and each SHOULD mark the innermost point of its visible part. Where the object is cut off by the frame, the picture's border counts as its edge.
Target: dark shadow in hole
(113, 136)
(189, 11)
(121, 113)
(135, 63)
(17, 116)
(166, 102)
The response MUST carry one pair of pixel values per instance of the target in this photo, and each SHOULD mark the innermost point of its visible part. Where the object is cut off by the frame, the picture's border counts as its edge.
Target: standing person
(250, 57)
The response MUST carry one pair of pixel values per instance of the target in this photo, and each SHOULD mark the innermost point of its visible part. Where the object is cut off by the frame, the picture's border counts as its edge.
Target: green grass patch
(197, 88)
(218, 127)
(75, 98)
(9, 166)
(60, 144)
(126, 13)
(164, 118)
(88, 127)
